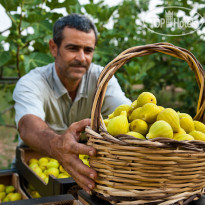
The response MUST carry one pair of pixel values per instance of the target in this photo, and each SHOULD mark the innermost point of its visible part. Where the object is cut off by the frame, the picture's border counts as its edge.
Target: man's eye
(88, 50)
(73, 48)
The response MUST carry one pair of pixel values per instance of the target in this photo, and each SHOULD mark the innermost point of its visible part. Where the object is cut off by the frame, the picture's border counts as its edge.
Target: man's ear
(53, 48)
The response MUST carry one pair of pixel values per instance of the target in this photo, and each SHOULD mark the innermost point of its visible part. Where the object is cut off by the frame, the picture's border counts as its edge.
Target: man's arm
(65, 148)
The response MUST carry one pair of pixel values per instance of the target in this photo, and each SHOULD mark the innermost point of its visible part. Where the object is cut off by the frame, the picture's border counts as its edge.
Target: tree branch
(9, 126)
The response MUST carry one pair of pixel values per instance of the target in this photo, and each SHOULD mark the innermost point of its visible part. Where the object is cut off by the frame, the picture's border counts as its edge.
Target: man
(53, 103)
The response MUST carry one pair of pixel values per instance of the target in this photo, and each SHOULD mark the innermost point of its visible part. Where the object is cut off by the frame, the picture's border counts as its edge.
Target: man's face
(75, 54)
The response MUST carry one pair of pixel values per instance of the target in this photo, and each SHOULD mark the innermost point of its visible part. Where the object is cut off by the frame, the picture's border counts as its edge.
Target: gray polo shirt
(41, 93)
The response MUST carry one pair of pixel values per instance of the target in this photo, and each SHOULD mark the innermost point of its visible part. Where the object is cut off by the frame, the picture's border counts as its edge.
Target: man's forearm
(36, 134)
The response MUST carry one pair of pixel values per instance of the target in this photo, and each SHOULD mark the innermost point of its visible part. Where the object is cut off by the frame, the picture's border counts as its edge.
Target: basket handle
(137, 51)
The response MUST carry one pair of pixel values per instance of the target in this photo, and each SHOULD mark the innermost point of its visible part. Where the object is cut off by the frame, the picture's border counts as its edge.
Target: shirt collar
(60, 90)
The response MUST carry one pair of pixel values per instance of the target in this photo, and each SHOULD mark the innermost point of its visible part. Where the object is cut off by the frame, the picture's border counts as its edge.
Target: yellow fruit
(42, 176)
(160, 129)
(62, 175)
(33, 160)
(61, 169)
(106, 122)
(121, 108)
(86, 162)
(15, 197)
(52, 163)
(35, 194)
(198, 135)
(135, 114)
(184, 115)
(146, 97)
(169, 115)
(6, 199)
(46, 180)
(33, 165)
(134, 105)
(140, 126)
(187, 124)
(181, 131)
(110, 116)
(199, 126)
(118, 125)
(136, 134)
(9, 189)
(43, 160)
(183, 137)
(2, 187)
(161, 108)
(2, 195)
(37, 170)
(43, 165)
(149, 112)
(52, 171)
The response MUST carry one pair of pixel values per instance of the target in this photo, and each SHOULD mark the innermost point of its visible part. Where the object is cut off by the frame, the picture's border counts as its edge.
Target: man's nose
(80, 55)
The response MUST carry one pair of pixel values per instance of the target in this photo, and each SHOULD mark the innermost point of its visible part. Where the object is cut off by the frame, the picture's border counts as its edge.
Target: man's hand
(66, 150)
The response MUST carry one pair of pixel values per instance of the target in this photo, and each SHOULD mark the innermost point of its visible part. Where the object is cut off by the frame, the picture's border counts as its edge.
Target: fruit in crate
(8, 193)
(144, 119)
(46, 166)
(31, 190)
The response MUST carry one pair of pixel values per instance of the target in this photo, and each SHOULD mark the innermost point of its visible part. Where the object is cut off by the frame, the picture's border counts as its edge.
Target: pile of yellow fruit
(8, 193)
(31, 190)
(46, 166)
(144, 119)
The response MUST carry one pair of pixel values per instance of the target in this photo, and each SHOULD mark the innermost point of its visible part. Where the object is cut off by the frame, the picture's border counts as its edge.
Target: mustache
(77, 63)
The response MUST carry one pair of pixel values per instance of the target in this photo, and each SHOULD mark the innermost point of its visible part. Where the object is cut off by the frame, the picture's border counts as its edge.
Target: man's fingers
(82, 174)
(78, 127)
(78, 148)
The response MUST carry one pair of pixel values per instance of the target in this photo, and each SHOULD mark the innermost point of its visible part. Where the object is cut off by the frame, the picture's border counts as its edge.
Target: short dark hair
(77, 21)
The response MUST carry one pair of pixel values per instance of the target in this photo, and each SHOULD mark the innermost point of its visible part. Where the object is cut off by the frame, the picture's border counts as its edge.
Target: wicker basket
(158, 171)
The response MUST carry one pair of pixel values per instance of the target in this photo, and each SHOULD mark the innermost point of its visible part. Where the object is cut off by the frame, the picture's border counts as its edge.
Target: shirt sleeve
(113, 98)
(28, 100)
